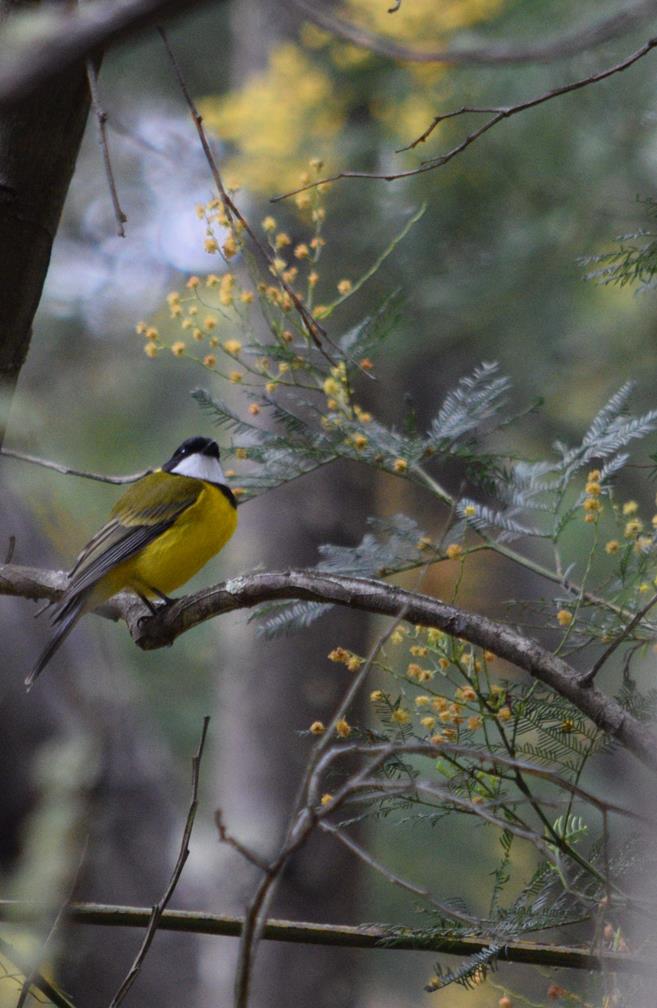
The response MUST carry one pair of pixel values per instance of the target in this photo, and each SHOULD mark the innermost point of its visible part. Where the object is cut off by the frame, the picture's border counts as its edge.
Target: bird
(161, 532)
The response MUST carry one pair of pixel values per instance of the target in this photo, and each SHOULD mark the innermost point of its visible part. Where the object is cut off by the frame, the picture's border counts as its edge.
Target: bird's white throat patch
(202, 467)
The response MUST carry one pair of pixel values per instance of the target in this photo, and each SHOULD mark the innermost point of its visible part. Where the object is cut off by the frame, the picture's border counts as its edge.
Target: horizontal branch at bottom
(366, 936)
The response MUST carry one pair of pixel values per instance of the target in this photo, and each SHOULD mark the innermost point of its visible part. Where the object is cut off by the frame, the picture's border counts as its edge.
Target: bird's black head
(193, 446)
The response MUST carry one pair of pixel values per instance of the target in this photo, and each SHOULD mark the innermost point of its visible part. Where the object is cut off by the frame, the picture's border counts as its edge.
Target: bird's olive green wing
(143, 513)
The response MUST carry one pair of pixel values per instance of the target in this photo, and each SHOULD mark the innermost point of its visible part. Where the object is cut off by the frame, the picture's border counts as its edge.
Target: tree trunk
(39, 143)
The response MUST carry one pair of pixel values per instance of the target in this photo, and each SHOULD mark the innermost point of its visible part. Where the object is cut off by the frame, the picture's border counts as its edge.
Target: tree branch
(70, 35)
(499, 114)
(366, 936)
(367, 595)
(570, 43)
(70, 471)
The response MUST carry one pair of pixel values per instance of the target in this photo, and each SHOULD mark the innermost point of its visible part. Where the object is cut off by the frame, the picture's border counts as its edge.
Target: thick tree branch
(365, 936)
(365, 594)
(69, 35)
(562, 46)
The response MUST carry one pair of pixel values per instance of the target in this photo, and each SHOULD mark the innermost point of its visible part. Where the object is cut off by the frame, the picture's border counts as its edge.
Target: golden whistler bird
(161, 532)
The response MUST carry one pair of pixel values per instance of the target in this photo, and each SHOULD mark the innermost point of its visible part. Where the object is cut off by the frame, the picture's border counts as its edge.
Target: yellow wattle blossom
(633, 527)
(326, 799)
(344, 287)
(269, 134)
(564, 617)
(210, 245)
(469, 511)
(453, 550)
(232, 346)
(178, 348)
(401, 716)
(376, 696)
(612, 546)
(400, 465)
(193, 282)
(342, 728)
(150, 349)
(317, 728)
(229, 247)
(210, 360)
(630, 507)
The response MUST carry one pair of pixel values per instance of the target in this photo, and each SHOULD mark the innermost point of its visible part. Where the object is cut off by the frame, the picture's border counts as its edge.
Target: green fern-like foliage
(468, 741)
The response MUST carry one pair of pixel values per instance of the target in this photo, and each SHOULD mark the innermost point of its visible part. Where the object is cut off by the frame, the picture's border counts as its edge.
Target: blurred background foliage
(490, 272)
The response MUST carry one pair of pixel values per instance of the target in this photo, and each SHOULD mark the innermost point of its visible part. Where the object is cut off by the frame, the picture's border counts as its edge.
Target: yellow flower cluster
(441, 703)
(352, 661)
(592, 504)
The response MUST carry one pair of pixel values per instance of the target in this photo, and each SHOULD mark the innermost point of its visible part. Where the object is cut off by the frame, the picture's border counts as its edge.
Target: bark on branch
(73, 34)
(368, 595)
(365, 936)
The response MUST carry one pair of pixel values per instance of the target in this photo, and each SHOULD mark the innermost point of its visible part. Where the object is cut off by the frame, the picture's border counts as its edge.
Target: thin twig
(588, 677)
(389, 750)
(101, 120)
(315, 331)
(562, 46)
(227, 838)
(500, 114)
(392, 877)
(11, 546)
(301, 822)
(159, 908)
(70, 471)
(310, 933)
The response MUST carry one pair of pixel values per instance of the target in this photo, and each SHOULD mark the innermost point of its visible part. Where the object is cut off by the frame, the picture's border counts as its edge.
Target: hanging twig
(101, 120)
(315, 331)
(159, 908)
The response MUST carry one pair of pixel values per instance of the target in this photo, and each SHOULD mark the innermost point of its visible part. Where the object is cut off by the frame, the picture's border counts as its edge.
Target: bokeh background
(491, 272)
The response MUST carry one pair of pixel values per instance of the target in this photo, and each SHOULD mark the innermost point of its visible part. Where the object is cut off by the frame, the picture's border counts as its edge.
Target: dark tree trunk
(39, 143)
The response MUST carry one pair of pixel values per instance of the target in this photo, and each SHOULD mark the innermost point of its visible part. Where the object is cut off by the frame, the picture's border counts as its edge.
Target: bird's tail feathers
(67, 615)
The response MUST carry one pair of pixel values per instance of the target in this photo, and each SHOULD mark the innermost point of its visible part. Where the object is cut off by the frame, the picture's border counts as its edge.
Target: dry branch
(73, 33)
(367, 595)
(498, 114)
(570, 43)
(344, 936)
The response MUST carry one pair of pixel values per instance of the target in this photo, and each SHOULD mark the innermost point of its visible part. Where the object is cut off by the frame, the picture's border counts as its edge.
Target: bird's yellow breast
(180, 552)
